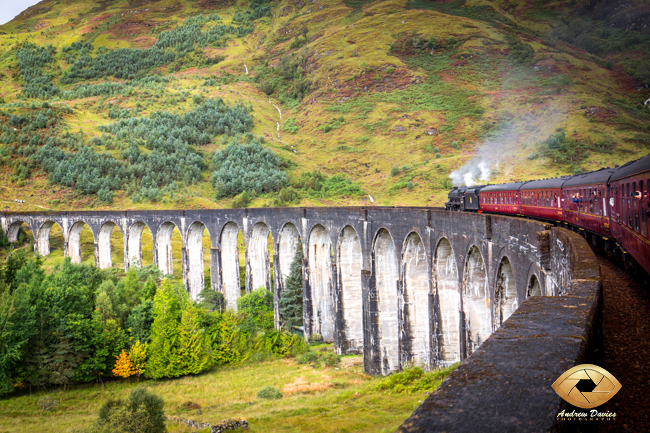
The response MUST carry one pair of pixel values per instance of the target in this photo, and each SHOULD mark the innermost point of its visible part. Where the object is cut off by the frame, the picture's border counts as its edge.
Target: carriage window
(591, 201)
(596, 200)
(641, 188)
(629, 212)
(636, 214)
(644, 225)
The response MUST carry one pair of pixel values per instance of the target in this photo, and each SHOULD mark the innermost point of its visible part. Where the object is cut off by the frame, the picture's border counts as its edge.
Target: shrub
(316, 338)
(247, 167)
(269, 393)
(409, 185)
(307, 358)
(318, 185)
(290, 126)
(519, 52)
(240, 201)
(105, 195)
(328, 358)
(331, 359)
(141, 412)
(257, 302)
(213, 300)
(414, 380)
(267, 87)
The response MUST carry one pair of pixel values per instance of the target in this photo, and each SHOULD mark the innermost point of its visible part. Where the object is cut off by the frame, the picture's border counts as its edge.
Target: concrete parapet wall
(505, 385)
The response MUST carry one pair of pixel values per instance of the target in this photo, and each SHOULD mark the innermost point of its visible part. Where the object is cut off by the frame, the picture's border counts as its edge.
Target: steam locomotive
(611, 204)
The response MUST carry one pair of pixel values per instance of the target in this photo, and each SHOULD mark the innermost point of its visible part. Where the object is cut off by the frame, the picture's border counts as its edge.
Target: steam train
(609, 205)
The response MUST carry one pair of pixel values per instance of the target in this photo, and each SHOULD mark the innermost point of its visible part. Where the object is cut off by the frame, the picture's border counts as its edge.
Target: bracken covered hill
(151, 104)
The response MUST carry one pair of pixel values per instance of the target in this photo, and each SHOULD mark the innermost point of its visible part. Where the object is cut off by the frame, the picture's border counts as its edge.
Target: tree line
(80, 324)
(170, 159)
(171, 46)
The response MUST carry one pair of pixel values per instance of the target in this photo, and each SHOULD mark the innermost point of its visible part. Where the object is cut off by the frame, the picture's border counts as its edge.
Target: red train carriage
(502, 198)
(543, 198)
(628, 200)
(584, 198)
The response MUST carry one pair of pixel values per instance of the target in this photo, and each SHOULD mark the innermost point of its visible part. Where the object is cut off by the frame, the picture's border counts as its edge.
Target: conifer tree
(104, 306)
(194, 349)
(140, 321)
(167, 309)
(131, 290)
(149, 289)
(290, 304)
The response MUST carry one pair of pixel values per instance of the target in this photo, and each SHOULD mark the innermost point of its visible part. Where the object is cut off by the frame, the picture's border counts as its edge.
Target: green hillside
(120, 104)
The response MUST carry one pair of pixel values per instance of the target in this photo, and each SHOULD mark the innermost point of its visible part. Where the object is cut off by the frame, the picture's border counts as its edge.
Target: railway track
(626, 347)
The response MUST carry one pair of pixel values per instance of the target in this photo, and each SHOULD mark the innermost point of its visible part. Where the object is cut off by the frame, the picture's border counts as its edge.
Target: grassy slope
(351, 49)
(325, 399)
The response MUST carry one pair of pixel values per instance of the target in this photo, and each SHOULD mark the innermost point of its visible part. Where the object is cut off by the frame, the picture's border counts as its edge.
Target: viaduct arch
(403, 286)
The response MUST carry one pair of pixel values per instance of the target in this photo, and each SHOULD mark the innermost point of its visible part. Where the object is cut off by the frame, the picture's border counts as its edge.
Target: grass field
(327, 399)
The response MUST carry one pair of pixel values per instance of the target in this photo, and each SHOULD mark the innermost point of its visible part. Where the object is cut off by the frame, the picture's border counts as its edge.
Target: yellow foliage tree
(138, 357)
(124, 366)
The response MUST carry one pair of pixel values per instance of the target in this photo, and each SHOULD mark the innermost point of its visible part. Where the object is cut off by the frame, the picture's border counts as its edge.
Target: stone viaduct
(402, 286)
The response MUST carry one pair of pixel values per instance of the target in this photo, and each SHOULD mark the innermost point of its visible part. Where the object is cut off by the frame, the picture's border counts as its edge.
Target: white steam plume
(526, 128)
